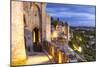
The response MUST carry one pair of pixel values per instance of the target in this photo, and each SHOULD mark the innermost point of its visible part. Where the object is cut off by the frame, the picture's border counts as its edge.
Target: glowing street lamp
(80, 49)
(80, 39)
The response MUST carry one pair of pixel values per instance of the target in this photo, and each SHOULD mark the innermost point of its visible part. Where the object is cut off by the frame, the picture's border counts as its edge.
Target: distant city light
(80, 49)
(80, 39)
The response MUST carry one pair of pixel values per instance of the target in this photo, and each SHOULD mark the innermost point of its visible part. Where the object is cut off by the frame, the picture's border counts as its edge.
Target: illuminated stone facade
(31, 26)
(61, 29)
(29, 19)
(18, 47)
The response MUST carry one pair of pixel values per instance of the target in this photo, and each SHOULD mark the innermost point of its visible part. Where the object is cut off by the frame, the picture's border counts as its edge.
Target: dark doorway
(36, 40)
(36, 35)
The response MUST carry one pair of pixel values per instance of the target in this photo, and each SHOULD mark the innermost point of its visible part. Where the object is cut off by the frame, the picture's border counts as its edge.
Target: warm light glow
(18, 43)
(75, 47)
(38, 59)
(80, 39)
(34, 37)
(52, 50)
(54, 34)
(60, 60)
(39, 36)
(79, 49)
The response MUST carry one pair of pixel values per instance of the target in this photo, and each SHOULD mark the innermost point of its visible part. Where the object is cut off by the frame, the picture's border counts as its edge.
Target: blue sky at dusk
(75, 15)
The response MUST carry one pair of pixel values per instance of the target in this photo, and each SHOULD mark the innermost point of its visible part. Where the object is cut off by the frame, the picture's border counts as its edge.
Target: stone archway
(32, 26)
(37, 29)
(37, 47)
(36, 35)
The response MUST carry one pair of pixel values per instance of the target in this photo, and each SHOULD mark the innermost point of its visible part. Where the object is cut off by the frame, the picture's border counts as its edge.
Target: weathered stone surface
(18, 47)
(26, 16)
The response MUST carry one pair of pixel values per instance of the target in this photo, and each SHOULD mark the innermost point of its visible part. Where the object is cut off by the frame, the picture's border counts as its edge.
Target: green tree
(55, 23)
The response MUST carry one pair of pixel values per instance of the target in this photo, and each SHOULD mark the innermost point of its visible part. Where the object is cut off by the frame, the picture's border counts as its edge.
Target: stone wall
(17, 37)
(48, 28)
(25, 17)
(43, 21)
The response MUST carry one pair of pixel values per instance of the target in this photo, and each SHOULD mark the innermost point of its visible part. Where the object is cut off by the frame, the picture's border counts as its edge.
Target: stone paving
(38, 58)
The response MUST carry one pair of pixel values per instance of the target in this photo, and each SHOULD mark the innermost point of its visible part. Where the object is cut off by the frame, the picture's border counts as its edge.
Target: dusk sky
(75, 15)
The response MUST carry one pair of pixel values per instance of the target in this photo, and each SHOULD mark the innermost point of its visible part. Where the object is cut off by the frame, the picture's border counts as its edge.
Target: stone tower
(30, 27)
(17, 34)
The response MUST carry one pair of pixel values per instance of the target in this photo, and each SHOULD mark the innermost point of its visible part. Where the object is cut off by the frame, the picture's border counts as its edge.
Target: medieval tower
(30, 26)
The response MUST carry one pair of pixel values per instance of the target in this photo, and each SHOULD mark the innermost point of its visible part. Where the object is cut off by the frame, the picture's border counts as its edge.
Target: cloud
(82, 15)
(73, 15)
(54, 9)
(82, 23)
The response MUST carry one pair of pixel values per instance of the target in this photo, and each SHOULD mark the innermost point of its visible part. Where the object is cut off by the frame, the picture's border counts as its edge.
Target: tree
(54, 23)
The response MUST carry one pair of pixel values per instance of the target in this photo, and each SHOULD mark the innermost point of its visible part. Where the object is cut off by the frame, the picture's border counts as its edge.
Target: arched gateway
(33, 29)
(30, 27)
